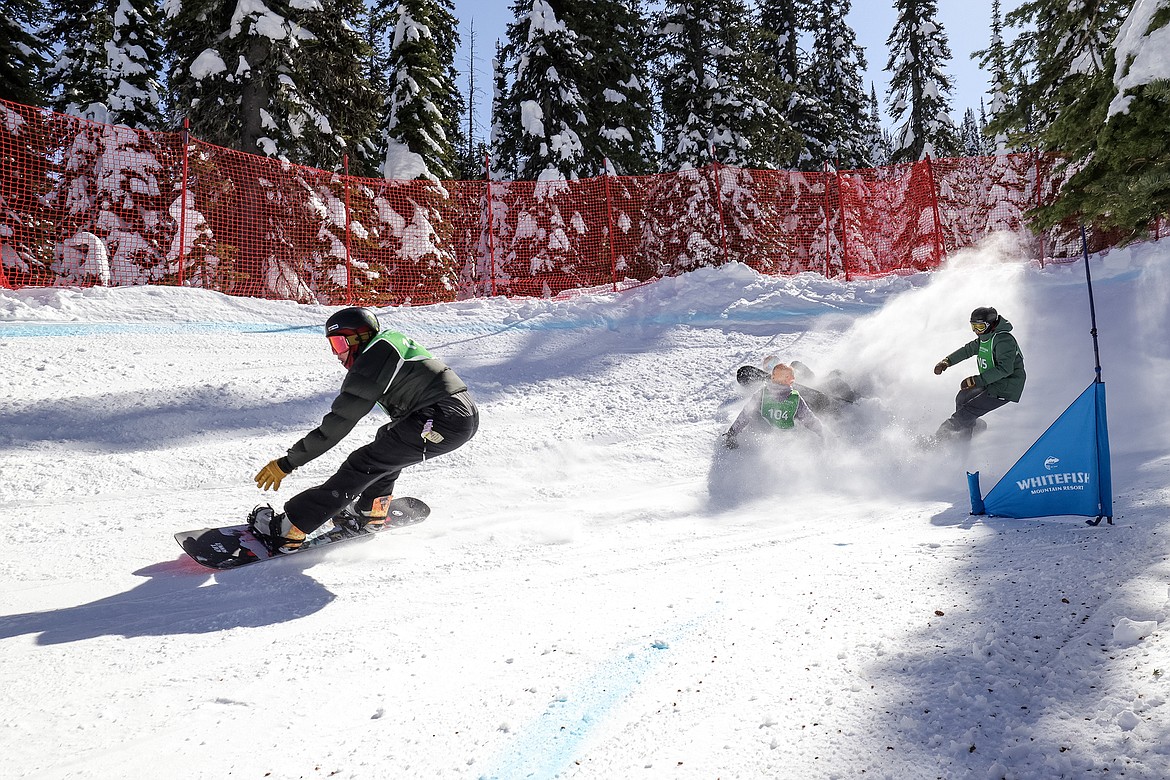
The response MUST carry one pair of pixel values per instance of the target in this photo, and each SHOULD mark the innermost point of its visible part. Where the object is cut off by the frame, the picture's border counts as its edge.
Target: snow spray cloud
(892, 352)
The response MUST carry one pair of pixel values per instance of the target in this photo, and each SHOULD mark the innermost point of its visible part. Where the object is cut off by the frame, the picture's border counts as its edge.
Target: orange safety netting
(83, 203)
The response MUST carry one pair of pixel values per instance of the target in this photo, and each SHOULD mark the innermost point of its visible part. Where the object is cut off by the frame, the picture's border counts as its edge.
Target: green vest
(781, 414)
(406, 347)
(986, 355)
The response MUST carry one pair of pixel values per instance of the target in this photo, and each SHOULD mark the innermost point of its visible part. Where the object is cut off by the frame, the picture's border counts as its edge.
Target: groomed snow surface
(600, 592)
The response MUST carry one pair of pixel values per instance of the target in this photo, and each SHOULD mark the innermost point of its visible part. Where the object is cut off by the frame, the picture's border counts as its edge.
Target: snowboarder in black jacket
(431, 413)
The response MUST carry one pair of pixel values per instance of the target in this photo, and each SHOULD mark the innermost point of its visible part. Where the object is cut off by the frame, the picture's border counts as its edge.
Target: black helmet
(983, 319)
(349, 330)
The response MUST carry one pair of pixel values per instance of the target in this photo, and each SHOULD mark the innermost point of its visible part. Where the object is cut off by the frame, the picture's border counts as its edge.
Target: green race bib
(781, 414)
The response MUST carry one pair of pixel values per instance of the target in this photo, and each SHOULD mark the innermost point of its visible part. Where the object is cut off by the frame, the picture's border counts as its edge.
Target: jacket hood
(1002, 326)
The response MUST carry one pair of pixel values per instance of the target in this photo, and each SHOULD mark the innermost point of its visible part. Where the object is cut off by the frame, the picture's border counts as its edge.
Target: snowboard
(232, 546)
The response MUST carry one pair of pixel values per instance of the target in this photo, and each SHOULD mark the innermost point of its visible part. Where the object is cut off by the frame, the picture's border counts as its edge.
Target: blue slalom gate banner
(1066, 472)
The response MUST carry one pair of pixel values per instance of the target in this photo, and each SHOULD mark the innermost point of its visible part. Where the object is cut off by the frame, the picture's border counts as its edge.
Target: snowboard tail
(229, 547)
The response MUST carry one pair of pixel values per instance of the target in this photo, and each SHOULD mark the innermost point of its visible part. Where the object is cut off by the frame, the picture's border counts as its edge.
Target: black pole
(1092, 307)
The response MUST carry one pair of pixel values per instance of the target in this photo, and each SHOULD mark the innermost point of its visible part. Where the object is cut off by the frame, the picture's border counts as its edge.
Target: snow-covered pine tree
(134, 61)
(970, 137)
(834, 75)
(1059, 57)
(718, 90)
(110, 54)
(341, 106)
(76, 78)
(783, 22)
(994, 60)
(612, 35)
(919, 87)
(880, 142)
(23, 53)
(254, 77)
(235, 76)
(1124, 179)
(414, 128)
(545, 120)
(501, 140)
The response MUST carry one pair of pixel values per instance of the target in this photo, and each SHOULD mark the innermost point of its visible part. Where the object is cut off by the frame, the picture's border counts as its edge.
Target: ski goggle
(979, 326)
(340, 345)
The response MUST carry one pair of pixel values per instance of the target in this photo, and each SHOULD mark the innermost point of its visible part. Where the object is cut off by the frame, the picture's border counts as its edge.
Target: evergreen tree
(75, 78)
(1058, 54)
(501, 142)
(717, 89)
(280, 78)
(111, 55)
(783, 22)
(340, 103)
(1124, 181)
(545, 120)
(834, 73)
(970, 136)
(616, 84)
(878, 140)
(919, 89)
(22, 52)
(994, 60)
(134, 58)
(416, 133)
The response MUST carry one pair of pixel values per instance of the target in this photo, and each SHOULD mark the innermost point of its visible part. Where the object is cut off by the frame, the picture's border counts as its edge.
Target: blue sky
(966, 22)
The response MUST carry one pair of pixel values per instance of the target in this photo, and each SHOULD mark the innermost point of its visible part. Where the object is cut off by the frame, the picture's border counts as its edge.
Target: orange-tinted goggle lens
(339, 345)
(979, 327)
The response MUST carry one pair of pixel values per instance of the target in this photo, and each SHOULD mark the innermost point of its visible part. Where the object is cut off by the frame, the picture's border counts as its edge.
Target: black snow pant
(970, 404)
(370, 471)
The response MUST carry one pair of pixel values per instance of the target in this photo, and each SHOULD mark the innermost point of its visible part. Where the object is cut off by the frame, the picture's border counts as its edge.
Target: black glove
(941, 366)
(729, 441)
(969, 382)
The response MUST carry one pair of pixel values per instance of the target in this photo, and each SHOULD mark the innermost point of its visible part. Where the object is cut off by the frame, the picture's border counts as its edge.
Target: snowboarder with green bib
(1000, 379)
(777, 406)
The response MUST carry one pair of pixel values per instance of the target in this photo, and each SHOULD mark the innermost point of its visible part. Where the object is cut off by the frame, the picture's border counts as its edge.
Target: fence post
(487, 175)
(348, 219)
(719, 202)
(609, 215)
(939, 247)
(844, 223)
(183, 201)
(828, 225)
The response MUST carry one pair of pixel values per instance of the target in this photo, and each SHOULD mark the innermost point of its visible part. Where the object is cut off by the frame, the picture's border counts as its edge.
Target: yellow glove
(969, 383)
(270, 476)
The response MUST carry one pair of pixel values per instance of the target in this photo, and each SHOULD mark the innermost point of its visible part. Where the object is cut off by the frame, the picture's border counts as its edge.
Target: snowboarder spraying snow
(431, 413)
(1000, 379)
(775, 406)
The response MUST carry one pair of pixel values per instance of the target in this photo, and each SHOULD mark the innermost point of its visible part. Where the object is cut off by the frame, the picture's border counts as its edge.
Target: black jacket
(400, 380)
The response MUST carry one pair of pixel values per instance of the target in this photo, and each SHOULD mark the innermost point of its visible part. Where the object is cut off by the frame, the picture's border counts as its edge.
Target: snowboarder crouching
(431, 413)
(1000, 379)
(775, 406)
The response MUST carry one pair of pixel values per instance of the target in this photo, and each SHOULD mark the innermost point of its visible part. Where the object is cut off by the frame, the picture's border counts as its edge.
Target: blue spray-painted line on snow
(42, 329)
(546, 747)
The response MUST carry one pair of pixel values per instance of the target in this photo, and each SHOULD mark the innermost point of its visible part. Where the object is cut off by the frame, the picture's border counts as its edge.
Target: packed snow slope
(601, 591)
